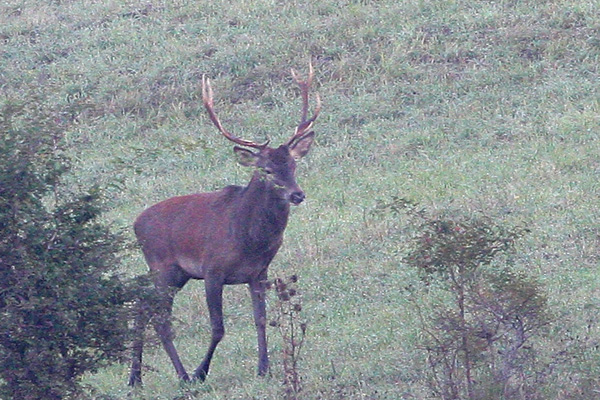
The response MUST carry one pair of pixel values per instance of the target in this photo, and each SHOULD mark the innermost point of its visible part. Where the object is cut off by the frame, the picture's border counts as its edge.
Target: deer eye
(268, 171)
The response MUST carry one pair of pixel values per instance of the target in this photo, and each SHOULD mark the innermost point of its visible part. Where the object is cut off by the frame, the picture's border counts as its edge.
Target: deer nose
(297, 197)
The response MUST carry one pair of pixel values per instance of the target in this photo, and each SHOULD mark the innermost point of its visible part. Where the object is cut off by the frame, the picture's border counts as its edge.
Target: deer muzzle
(297, 197)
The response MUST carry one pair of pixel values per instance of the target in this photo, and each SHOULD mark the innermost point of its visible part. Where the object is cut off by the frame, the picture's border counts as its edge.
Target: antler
(207, 98)
(305, 124)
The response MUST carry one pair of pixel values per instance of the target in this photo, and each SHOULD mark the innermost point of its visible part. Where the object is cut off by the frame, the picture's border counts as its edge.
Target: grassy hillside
(464, 107)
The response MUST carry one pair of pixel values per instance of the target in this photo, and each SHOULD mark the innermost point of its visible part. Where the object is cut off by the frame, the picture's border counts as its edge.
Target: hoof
(135, 381)
(200, 375)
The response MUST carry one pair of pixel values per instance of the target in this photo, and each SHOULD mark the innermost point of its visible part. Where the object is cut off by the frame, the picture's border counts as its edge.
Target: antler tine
(304, 87)
(305, 124)
(207, 99)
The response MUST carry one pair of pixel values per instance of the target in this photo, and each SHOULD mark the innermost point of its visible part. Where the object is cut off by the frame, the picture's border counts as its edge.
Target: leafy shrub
(63, 307)
(479, 343)
(486, 319)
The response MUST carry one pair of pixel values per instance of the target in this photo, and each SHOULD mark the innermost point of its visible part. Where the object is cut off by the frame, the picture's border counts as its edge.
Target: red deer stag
(225, 237)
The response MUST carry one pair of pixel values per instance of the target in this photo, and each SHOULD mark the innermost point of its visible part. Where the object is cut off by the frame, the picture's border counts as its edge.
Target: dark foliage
(63, 307)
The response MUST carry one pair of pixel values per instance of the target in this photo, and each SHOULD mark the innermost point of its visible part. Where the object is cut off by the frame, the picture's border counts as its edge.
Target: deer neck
(264, 215)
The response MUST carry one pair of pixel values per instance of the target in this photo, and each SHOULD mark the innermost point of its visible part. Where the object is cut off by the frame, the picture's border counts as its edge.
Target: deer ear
(301, 147)
(245, 157)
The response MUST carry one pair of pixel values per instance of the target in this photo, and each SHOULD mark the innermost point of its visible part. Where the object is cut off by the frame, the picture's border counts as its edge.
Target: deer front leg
(214, 300)
(257, 291)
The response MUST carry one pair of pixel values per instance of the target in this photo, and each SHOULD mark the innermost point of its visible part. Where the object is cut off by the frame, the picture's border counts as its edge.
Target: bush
(63, 308)
(486, 320)
(480, 342)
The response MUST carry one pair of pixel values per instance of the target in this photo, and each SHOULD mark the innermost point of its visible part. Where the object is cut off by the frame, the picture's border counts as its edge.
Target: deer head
(274, 166)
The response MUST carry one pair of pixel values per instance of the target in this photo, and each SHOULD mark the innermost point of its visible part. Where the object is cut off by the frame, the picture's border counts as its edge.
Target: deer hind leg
(162, 325)
(214, 300)
(141, 321)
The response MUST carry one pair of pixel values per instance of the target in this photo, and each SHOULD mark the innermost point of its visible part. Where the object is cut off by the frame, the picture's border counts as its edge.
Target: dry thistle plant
(292, 328)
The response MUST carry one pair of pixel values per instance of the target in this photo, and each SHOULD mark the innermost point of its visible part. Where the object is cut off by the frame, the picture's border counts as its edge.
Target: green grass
(463, 107)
